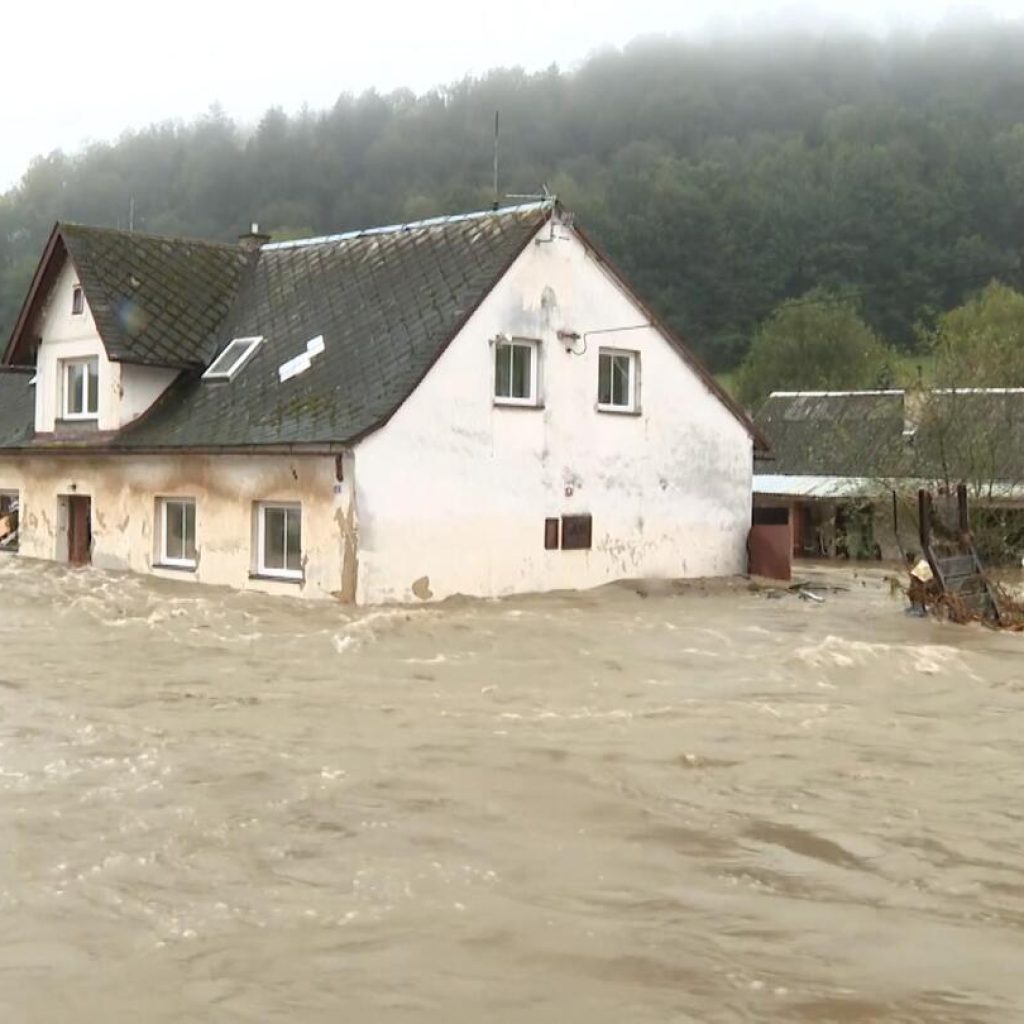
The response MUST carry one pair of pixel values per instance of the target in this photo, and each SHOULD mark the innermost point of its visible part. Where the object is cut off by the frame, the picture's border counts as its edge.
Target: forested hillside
(726, 177)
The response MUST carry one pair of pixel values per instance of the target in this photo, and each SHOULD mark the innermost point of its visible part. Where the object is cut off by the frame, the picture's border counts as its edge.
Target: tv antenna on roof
(496, 133)
(545, 195)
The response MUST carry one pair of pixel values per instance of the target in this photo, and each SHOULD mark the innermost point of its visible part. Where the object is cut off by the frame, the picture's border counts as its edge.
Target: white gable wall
(141, 386)
(66, 336)
(453, 492)
(126, 391)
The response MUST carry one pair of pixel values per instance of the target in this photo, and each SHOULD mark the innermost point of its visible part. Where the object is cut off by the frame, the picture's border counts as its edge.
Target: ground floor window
(177, 524)
(279, 540)
(9, 506)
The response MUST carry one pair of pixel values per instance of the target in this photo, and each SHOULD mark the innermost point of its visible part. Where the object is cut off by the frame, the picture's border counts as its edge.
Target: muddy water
(608, 807)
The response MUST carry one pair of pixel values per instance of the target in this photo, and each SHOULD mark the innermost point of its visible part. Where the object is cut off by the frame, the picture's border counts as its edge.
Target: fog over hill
(725, 174)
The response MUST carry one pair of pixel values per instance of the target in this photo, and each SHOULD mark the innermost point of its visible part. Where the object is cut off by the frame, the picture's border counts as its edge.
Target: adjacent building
(475, 405)
(848, 464)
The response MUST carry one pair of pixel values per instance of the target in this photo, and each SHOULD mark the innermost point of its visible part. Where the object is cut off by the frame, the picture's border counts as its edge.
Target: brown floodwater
(709, 805)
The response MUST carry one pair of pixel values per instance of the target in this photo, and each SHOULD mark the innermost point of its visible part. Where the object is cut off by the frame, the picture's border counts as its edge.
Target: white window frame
(164, 558)
(262, 569)
(228, 371)
(634, 381)
(77, 301)
(533, 345)
(65, 374)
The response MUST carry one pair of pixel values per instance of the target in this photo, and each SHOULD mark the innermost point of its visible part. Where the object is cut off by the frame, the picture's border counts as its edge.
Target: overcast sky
(74, 72)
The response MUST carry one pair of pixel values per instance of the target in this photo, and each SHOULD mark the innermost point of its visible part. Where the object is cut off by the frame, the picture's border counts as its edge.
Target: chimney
(253, 239)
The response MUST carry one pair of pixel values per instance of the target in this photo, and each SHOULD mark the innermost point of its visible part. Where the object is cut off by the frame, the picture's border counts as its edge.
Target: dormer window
(77, 301)
(232, 359)
(81, 383)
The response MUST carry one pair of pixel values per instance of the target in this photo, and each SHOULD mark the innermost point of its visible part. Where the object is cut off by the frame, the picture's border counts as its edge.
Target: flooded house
(476, 404)
(847, 466)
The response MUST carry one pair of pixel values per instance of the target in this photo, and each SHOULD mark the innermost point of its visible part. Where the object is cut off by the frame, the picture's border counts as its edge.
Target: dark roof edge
(92, 450)
(688, 356)
(162, 365)
(548, 211)
(17, 369)
(180, 239)
(29, 302)
(442, 220)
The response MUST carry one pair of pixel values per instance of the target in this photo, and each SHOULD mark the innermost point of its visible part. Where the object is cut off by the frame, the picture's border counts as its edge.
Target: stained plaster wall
(123, 493)
(453, 492)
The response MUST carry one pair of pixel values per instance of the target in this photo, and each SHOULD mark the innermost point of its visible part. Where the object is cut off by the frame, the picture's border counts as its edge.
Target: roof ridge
(149, 235)
(873, 392)
(388, 229)
(880, 392)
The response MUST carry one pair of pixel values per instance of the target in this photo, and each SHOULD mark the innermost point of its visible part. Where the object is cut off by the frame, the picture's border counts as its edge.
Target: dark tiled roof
(386, 302)
(156, 300)
(17, 407)
(975, 435)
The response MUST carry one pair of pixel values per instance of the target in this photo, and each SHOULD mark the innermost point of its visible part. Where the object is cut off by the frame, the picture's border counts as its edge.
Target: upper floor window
(77, 301)
(279, 540)
(81, 383)
(177, 524)
(515, 372)
(617, 380)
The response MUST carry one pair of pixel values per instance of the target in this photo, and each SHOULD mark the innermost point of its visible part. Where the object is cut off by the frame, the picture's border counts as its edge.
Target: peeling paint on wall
(460, 487)
(350, 554)
(123, 491)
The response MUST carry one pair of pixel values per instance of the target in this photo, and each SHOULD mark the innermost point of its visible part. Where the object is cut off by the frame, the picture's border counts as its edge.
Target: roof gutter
(71, 451)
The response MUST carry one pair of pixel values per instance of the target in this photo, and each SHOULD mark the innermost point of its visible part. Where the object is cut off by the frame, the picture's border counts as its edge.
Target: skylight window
(232, 359)
(303, 361)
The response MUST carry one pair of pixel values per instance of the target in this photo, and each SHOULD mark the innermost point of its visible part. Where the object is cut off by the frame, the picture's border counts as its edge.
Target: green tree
(725, 176)
(817, 342)
(981, 343)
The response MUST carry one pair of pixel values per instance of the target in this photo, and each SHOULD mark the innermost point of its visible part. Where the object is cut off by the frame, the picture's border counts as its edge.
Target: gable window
(279, 540)
(81, 383)
(77, 301)
(515, 371)
(232, 359)
(617, 380)
(177, 524)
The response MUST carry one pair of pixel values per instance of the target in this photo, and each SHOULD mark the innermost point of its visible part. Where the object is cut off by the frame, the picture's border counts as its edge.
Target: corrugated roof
(974, 434)
(832, 433)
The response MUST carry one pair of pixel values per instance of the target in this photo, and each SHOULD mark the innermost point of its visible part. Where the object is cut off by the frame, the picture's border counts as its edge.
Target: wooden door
(79, 530)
